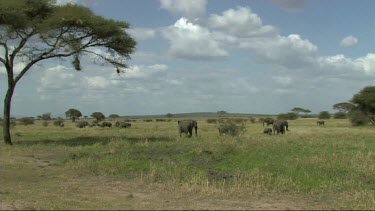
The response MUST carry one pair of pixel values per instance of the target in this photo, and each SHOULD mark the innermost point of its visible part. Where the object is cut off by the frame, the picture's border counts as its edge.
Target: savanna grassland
(148, 166)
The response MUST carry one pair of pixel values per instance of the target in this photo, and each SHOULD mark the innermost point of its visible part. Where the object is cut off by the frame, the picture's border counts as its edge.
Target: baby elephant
(267, 131)
(186, 126)
(320, 122)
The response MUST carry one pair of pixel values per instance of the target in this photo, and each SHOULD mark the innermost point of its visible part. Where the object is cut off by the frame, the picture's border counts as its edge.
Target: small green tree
(113, 116)
(26, 121)
(46, 116)
(73, 114)
(287, 116)
(324, 115)
(364, 101)
(169, 115)
(340, 115)
(99, 116)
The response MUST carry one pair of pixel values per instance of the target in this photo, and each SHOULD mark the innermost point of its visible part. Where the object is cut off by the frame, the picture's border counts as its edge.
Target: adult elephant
(269, 121)
(186, 126)
(280, 126)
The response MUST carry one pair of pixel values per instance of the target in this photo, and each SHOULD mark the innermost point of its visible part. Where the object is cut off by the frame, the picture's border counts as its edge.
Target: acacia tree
(364, 102)
(343, 107)
(99, 116)
(113, 116)
(73, 114)
(33, 31)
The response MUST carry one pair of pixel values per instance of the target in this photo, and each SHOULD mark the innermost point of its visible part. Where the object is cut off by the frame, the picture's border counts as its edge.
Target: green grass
(334, 161)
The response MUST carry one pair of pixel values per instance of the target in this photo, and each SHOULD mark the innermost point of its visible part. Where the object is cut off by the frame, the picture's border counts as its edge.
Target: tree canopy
(33, 31)
(343, 107)
(98, 116)
(73, 114)
(113, 116)
(364, 102)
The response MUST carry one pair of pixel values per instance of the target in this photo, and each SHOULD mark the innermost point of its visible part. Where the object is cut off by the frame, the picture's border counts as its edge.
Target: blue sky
(247, 56)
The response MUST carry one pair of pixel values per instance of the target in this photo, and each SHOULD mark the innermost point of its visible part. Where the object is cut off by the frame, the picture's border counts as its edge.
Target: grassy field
(148, 166)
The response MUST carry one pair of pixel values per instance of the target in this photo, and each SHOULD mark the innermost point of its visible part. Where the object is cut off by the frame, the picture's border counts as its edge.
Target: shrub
(339, 115)
(287, 116)
(261, 119)
(358, 118)
(58, 122)
(82, 124)
(160, 120)
(45, 123)
(324, 115)
(239, 120)
(26, 121)
(211, 120)
(231, 128)
(252, 120)
(147, 120)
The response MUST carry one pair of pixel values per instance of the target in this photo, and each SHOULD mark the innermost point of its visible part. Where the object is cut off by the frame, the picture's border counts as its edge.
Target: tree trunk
(6, 121)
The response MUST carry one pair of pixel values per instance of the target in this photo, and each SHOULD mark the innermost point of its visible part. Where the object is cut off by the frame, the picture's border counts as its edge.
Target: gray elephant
(280, 126)
(267, 131)
(82, 124)
(269, 121)
(186, 126)
(122, 124)
(320, 122)
(106, 124)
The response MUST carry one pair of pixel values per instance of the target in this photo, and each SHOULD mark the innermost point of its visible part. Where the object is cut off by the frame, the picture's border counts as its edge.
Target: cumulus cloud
(241, 22)
(142, 33)
(349, 41)
(191, 9)
(142, 71)
(191, 41)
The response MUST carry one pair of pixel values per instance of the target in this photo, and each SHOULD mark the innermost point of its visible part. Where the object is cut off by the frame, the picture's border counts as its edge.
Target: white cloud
(142, 33)
(191, 41)
(145, 72)
(191, 8)
(241, 22)
(58, 77)
(97, 82)
(349, 41)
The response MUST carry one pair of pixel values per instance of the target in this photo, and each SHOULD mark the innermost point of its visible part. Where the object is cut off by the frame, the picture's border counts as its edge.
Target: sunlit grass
(335, 160)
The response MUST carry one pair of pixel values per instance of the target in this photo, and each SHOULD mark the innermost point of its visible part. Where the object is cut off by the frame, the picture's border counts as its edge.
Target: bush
(26, 121)
(324, 115)
(45, 123)
(252, 120)
(358, 118)
(261, 119)
(147, 120)
(339, 115)
(58, 123)
(307, 116)
(160, 120)
(211, 120)
(287, 116)
(231, 128)
(82, 124)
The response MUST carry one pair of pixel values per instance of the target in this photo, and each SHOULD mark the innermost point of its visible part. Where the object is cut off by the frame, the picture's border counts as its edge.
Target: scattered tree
(33, 31)
(221, 113)
(324, 115)
(287, 116)
(364, 101)
(73, 114)
(169, 115)
(99, 116)
(113, 116)
(46, 116)
(26, 121)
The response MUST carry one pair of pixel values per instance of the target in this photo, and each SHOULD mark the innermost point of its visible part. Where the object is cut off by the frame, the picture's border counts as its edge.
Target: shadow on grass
(88, 141)
(133, 140)
(79, 141)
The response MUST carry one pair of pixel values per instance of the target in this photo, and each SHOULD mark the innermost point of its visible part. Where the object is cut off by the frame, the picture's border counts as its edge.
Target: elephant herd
(279, 126)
